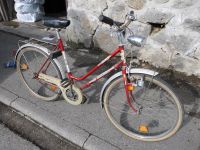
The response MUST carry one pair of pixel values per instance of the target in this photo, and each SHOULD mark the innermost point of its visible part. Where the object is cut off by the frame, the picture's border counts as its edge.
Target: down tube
(102, 75)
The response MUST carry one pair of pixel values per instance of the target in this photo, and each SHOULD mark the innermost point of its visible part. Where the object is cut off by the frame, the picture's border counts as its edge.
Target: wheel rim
(34, 59)
(159, 125)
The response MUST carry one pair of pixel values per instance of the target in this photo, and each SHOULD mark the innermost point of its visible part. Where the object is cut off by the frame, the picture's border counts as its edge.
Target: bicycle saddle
(55, 22)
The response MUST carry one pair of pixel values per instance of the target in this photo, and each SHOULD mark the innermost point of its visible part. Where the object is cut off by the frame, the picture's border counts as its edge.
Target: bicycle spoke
(157, 114)
(121, 111)
(34, 58)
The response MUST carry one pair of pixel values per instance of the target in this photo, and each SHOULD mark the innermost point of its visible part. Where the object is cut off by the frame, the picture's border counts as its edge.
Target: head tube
(121, 37)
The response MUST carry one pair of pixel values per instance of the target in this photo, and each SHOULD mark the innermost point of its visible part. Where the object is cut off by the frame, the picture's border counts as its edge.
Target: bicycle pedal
(65, 82)
(53, 87)
(84, 99)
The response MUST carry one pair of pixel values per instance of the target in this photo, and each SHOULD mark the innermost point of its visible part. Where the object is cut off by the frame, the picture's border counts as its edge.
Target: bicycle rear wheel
(29, 61)
(161, 112)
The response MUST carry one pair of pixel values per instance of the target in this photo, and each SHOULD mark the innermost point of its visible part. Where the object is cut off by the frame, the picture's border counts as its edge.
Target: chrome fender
(46, 51)
(134, 70)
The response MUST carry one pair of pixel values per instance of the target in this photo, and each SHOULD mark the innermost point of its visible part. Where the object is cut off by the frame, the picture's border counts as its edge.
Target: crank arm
(64, 90)
(50, 79)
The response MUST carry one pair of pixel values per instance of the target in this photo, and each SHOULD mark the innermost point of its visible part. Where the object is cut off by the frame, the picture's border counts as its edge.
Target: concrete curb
(66, 130)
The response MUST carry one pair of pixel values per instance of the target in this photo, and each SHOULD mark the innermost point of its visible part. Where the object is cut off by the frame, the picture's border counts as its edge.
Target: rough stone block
(82, 27)
(156, 54)
(193, 24)
(186, 65)
(180, 4)
(154, 15)
(103, 39)
(179, 40)
(141, 29)
(116, 10)
(161, 1)
(194, 51)
(89, 6)
(136, 4)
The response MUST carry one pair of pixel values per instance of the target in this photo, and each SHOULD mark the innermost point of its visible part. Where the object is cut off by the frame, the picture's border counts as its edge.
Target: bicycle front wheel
(160, 115)
(29, 62)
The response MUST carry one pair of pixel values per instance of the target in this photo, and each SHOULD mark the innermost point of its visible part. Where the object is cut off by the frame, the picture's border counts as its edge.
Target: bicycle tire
(151, 124)
(36, 55)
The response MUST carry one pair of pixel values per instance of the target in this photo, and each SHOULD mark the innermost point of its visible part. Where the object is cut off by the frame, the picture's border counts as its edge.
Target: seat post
(58, 34)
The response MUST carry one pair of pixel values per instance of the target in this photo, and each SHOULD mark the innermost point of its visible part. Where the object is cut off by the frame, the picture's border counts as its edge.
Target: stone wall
(171, 27)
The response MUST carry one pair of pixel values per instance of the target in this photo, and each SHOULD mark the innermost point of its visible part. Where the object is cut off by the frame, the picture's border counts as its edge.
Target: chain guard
(73, 95)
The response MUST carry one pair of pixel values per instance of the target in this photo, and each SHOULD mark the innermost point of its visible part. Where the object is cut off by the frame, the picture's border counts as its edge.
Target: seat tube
(65, 60)
(124, 64)
(61, 48)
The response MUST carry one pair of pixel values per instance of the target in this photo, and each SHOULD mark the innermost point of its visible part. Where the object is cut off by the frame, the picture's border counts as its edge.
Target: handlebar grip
(131, 12)
(106, 20)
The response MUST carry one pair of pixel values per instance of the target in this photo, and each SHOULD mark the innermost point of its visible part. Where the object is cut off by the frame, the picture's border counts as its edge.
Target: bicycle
(137, 102)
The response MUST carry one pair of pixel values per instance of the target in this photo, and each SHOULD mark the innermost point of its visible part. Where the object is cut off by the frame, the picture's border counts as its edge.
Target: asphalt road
(11, 141)
(92, 118)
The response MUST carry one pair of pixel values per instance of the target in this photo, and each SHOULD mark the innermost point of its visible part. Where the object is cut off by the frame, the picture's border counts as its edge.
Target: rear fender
(46, 51)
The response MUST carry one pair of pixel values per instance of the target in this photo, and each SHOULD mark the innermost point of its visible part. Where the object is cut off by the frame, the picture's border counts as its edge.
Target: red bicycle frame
(122, 63)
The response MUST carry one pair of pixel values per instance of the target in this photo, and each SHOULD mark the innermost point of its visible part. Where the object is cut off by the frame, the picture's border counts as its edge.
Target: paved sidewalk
(86, 125)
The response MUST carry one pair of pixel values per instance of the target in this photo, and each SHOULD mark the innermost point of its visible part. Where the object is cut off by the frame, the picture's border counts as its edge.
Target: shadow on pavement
(189, 95)
(8, 44)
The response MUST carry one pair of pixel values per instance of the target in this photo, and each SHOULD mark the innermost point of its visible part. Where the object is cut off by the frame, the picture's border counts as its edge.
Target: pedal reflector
(53, 87)
(24, 67)
(143, 128)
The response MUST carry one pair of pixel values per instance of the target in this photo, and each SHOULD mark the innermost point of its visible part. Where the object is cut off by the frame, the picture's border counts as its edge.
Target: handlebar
(106, 20)
(129, 18)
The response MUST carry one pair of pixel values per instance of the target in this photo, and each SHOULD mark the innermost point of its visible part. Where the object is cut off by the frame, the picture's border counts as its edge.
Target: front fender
(134, 70)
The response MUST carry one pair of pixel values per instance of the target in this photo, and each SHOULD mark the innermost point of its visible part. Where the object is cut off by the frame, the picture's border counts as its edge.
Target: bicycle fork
(127, 84)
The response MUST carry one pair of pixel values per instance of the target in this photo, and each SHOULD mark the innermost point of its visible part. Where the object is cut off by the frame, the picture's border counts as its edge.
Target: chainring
(73, 95)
